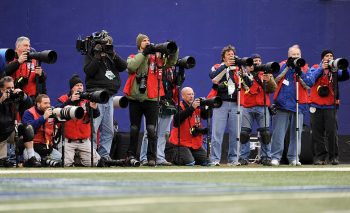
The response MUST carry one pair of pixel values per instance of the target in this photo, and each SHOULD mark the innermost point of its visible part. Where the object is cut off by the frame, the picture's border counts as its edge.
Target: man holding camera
(143, 89)
(286, 101)
(102, 67)
(77, 132)
(28, 74)
(41, 118)
(189, 151)
(167, 111)
(255, 108)
(324, 99)
(11, 101)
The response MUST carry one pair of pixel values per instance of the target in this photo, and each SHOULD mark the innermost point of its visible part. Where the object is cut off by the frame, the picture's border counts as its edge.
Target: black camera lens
(142, 86)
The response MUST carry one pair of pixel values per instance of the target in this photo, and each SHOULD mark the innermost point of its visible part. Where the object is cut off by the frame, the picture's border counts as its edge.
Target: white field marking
(124, 202)
(175, 170)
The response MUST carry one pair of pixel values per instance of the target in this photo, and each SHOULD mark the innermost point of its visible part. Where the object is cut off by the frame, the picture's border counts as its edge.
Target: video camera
(246, 61)
(186, 62)
(215, 102)
(195, 131)
(167, 48)
(68, 113)
(120, 102)
(339, 63)
(295, 62)
(100, 96)
(6, 55)
(46, 56)
(270, 67)
(87, 45)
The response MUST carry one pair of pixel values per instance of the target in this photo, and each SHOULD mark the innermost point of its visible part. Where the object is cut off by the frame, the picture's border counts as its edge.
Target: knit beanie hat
(255, 55)
(74, 80)
(139, 39)
(325, 52)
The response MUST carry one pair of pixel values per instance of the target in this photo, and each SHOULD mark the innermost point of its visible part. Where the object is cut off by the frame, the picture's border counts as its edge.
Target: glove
(97, 51)
(149, 49)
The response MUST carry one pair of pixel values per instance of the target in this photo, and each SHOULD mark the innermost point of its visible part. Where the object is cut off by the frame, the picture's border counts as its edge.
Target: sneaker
(266, 162)
(214, 164)
(32, 162)
(165, 163)
(144, 163)
(275, 162)
(295, 163)
(335, 162)
(151, 163)
(235, 163)
(5, 162)
(243, 162)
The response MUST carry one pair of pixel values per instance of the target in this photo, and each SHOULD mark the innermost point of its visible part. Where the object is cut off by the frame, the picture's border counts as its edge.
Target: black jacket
(95, 71)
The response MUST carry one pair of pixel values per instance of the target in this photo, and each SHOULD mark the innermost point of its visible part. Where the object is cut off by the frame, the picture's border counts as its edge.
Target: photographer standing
(323, 112)
(10, 102)
(286, 101)
(167, 111)
(102, 67)
(28, 74)
(40, 118)
(77, 132)
(142, 90)
(253, 109)
(190, 151)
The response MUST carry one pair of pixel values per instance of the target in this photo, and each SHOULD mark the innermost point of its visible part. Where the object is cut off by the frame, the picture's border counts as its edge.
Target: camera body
(86, 46)
(195, 131)
(323, 90)
(142, 82)
(14, 97)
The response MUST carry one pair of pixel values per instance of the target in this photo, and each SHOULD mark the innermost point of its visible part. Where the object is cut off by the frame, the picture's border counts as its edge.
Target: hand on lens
(47, 113)
(196, 103)
(23, 57)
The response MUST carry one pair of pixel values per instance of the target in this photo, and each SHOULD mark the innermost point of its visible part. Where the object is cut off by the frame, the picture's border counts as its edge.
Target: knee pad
(26, 131)
(265, 136)
(151, 131)
(245, 135)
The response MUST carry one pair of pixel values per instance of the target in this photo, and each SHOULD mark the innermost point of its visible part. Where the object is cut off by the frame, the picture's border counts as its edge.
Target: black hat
(325, 52)
(74, 80)
(255, 55)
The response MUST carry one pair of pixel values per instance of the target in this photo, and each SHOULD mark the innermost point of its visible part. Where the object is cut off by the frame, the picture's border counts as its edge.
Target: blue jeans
(104, 123)
(280, 122)
(226, 114)
(248, 116)
(163, 129)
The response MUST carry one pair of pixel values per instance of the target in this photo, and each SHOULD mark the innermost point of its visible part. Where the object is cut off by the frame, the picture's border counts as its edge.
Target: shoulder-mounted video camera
(195, 131)
(86, 46)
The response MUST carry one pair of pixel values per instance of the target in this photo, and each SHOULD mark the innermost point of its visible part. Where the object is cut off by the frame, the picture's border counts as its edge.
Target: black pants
(180, 155)
(324, 135)
(150, 110)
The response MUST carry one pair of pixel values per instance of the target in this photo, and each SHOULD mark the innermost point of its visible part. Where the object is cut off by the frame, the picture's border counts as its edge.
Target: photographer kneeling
(190, 151)
(40, 118)
(77, 132)
(11, 100)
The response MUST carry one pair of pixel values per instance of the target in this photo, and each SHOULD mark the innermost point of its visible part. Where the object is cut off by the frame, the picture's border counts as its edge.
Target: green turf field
(177, 189)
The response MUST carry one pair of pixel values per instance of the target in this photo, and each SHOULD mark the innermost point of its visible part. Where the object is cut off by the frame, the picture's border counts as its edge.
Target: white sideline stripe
(132, 202)
(175, 170)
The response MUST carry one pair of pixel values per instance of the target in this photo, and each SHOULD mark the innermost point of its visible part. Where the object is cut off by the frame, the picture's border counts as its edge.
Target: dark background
(201, 29)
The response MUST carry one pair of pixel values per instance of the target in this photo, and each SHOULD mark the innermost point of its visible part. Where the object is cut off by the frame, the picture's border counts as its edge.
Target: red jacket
(23, 71)
(152, 81)
(186, 139)
(77, 129)
(43, 136)
(255, 96)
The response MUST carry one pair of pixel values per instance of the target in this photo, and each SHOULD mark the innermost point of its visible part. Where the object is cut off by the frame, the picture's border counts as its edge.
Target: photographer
(286, 102)
(323, 114)
(40, 118)
(190, 151)
(167, 111)
(225, 85)
(28, 74)
(10, 102)
(141, 89)
(77, 132)
(102, 67)
(253, 109)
